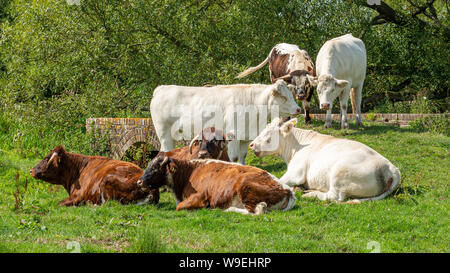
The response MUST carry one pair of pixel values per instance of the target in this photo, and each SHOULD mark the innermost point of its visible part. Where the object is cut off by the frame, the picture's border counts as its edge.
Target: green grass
(415, 219)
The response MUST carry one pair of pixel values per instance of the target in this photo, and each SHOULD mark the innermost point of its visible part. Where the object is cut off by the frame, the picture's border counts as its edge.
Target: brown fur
(211, 143)
(279, 67)
(88, 178)
(201, 184)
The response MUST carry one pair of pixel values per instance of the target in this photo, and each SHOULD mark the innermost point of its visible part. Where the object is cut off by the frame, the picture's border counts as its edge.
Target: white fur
(167, 99)
(341, 59)
(284, 48)
(335, 169)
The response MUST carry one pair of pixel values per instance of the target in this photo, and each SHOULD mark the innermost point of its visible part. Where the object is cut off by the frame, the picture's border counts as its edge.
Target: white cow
(331, 168)
(340, 66)
(179, 111)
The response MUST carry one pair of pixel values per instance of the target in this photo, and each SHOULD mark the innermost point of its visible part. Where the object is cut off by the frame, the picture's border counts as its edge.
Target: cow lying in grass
(217, 184)
(95, 179)
(331, 168)
(92, 179)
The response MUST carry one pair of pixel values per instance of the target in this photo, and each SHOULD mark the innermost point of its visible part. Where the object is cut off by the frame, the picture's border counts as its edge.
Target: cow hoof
(261, 208)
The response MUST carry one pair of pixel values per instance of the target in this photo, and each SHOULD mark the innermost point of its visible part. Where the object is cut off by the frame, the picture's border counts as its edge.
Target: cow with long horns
(291, 64)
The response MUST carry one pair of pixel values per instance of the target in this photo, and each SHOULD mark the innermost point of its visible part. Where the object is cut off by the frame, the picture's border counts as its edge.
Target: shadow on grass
(271, 168)
(367, 128)
(166, 205)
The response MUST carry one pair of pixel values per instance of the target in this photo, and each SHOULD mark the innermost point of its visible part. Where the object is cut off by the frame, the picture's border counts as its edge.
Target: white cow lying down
(331, 168)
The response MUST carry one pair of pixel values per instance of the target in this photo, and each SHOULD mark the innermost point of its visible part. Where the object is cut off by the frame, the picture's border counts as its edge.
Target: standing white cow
(341, 66)
(179, 111)
(331, 168)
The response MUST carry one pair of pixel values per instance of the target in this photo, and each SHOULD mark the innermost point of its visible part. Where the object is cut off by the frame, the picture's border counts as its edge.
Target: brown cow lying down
(217, 184)
(93, 179)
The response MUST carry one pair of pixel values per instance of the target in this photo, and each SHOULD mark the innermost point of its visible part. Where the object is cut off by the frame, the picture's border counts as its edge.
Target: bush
(420, 105)
(435, 124)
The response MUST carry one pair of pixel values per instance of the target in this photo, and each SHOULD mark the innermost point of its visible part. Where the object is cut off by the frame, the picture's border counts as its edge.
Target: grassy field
(415, 219)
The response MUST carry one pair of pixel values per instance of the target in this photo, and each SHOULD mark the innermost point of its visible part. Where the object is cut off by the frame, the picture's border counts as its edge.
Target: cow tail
(391, 184)
(353, 100)
(253, 69)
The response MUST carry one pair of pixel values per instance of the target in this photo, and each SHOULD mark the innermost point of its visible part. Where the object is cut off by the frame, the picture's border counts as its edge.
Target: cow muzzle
(140, 183)
(325, 106)
(300, 97)
(254, 149)
(34, 174)
(203, 154)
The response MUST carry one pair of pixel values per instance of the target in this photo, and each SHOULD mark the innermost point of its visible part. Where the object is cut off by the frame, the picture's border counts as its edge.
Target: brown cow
(93, 179)
(217, 184)
(290, 63)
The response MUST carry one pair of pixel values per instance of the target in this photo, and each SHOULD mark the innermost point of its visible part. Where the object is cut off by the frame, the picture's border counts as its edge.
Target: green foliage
(419, 105)
(64, 63)
(435, 124)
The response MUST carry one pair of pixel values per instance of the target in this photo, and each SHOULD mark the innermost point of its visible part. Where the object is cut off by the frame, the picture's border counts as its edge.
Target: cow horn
(285, 77)
(52, 158)
(165, 160)
(192, 143)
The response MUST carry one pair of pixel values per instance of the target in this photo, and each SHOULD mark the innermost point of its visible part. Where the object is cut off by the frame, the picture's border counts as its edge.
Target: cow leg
(167, 142)
(307, 106)
(293, 178)
(71, 201)
(233, 150)
(195, 201)
(243, 149)
(358, 97)
(343, 100)
(324, 196)
(328, 119)
(238, 210)
(261, 208)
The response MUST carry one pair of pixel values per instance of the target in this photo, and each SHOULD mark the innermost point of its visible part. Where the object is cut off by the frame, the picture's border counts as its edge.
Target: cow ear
(287, 126)
(172, 166)
(292, 89)
(230, 136)
(341, 83)
(276, 90)
(312, 80)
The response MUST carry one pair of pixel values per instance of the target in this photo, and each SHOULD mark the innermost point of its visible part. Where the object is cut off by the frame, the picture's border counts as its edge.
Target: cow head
(270, 140)
(212, 143)
(299, 83)
(328, 89)
(49, 169)
(155, 175)
(281, 96)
